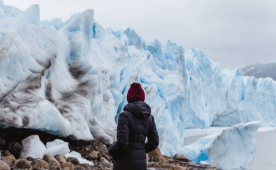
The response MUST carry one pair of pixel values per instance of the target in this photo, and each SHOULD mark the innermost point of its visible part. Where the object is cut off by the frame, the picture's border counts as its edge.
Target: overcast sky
(235, 33)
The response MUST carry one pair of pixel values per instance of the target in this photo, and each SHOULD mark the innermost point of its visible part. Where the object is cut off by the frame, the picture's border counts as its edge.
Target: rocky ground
(94, 151)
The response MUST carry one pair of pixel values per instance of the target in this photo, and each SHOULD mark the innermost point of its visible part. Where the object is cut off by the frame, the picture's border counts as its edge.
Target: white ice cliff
(72, 78)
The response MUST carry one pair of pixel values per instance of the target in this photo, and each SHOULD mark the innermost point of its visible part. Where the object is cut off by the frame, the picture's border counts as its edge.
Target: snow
(57, 23)
(78, 156)
(233, 148)
(251, 68)
(8, 11)
(72, 78)
(12, 20)
(32, 147)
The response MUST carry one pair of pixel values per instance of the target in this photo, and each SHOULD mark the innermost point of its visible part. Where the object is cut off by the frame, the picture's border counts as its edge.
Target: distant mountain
(260, 70)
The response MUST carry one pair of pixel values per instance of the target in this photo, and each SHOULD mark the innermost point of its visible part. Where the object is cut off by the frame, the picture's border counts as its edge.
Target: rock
(22, 164)
(38, 163)
(47, 158)
(60, 159)
(67, 165)
(10, 159)
(104, 147)
(52, 161)
(94, 155)
(30, 159)
(15, 148)
(156, 156)
(106, 157)
(7, 153)
(181, 157)
(3, 159)
(147, 158)
(73, 160)
(2, 142)
(103, 160)
(169, 166)
(78, 167)
(4, 166)
(56, 168)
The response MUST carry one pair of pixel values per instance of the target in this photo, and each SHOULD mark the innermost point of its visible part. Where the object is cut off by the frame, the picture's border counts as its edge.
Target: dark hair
(134, 99)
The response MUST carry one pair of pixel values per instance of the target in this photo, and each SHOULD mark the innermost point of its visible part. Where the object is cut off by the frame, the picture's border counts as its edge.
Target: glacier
(71, 79)
(232, 148)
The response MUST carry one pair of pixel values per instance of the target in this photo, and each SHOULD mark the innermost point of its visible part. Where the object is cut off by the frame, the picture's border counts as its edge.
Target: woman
(134, 125)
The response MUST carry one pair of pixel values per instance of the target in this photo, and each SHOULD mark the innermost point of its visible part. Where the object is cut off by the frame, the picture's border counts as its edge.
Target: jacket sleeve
(153, 138)
(118, 149)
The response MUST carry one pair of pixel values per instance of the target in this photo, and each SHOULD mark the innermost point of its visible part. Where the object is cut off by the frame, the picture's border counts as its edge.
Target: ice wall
(72, 78)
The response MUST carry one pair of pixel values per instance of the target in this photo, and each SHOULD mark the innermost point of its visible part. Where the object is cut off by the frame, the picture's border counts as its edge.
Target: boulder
(67, 165)
(15, 148)
(30, 159)
(10, 159)
(38, 163)
(4, 166)
(3, 159)
(94, 155)
(22, 164)
(78, 167)
(60, 159)
(7, 153)
(156, 156)
(52, 161)
(47, 158)
(181, 157)
(73, 160)
(106, 157)
(2, 142)
(56, 168)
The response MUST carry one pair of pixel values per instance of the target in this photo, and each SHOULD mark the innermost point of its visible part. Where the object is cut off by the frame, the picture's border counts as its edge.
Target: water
(265, 157)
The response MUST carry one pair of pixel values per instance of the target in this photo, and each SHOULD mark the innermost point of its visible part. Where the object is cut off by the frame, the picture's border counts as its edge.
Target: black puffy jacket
(134, 125)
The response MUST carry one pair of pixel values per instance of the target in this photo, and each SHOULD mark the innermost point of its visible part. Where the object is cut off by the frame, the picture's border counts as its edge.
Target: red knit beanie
(135, 93)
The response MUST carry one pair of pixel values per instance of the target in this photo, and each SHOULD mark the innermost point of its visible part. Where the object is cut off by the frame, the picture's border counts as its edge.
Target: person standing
(135, 123)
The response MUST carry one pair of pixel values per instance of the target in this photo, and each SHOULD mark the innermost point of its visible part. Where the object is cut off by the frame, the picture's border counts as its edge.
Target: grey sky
(235, 33)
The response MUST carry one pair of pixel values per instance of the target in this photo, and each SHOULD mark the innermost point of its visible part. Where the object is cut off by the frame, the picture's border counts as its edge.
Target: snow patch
(78, 156)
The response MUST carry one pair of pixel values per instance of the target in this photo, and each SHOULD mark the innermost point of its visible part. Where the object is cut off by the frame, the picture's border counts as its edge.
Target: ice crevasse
(71, 79)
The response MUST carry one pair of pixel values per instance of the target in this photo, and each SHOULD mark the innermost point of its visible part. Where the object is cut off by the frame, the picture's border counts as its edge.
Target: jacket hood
(139, 108)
